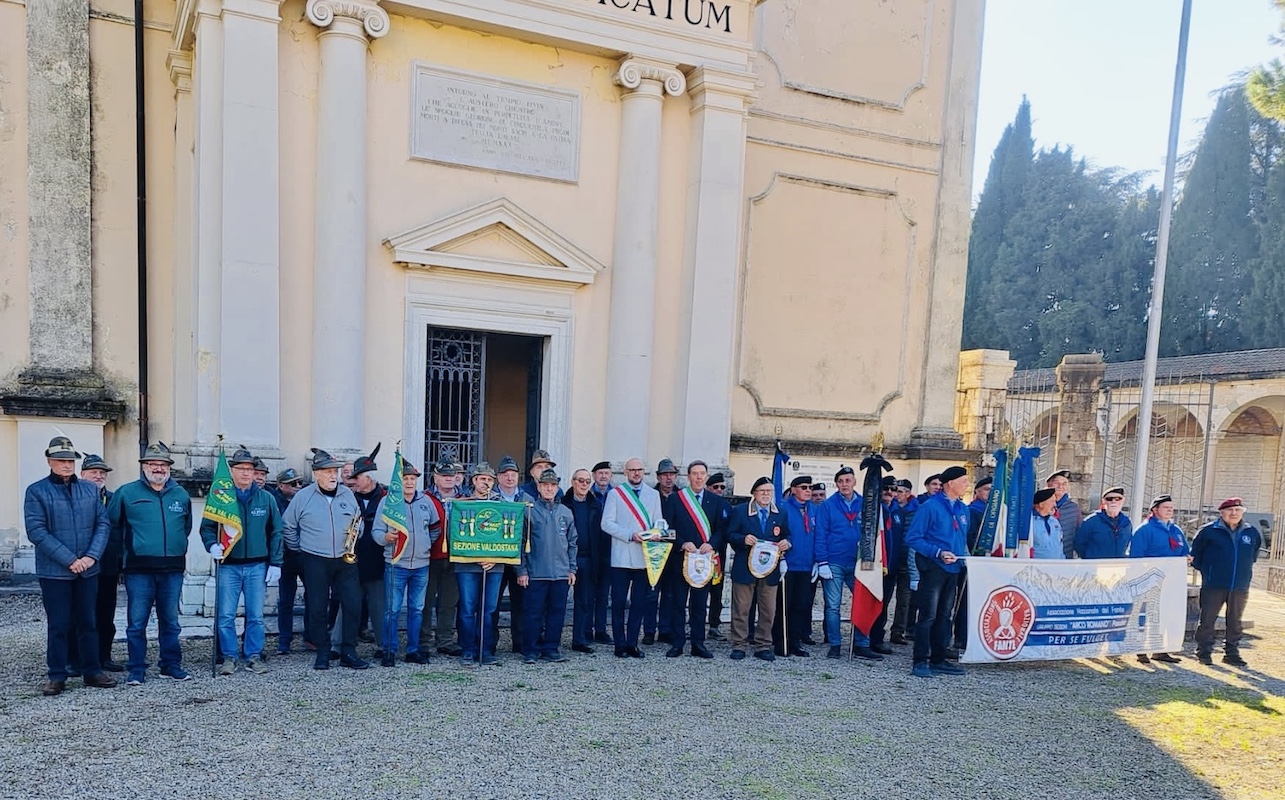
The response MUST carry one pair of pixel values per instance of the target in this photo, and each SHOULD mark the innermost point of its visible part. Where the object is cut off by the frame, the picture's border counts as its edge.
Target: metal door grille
(455, 386)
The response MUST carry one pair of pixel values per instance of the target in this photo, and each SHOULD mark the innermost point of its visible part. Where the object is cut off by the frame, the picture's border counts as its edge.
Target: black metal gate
(455, 387)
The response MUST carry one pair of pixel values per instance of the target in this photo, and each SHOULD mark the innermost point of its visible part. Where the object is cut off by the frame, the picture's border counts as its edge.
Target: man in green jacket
(152, 518)
(246, 566)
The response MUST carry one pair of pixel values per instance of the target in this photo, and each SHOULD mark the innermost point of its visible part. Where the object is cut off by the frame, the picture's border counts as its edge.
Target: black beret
(987, 481)
(716, 479)
(932, 478)
(844, 471)
(818, 487)
(1042, 495)
(951, 473)
(802, 480)
(764, 481)
(601, 465)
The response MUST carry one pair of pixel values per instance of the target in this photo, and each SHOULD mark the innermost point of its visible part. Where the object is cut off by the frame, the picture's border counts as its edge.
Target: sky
(1099, 73)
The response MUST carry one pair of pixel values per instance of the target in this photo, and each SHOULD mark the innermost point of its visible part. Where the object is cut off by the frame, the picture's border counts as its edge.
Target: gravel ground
(599, 727)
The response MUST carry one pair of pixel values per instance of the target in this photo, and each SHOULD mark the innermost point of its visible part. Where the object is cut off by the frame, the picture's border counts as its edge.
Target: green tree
(1002, 195)
(1266, 85)
(1129, 267)
(1265, 309)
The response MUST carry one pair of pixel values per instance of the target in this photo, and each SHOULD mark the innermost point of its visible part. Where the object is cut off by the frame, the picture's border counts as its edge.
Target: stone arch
(1247, 461)
(1175, 459)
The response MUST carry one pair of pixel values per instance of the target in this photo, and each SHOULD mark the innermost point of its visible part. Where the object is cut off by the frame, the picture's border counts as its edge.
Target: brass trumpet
(350, 539)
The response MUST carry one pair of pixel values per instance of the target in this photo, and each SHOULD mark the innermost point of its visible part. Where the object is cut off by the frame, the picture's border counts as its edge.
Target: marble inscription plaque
(506, 126)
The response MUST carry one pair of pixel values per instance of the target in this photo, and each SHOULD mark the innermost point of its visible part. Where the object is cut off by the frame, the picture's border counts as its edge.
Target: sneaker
(1233, 658)
(135, 679)
(177, 673)
(947, 668)
(715, 633)
(256, 666)
(528, 659)
(922, 670)
(229, 667)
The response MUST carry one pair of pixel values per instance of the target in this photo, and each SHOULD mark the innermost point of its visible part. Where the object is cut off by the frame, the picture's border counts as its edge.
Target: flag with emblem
(872, 563)
(221, 505)
(394, 514)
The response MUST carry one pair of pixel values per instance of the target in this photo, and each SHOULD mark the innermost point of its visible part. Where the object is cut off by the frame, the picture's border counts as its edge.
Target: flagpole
(1143, 423)
(214, 651)
(482, 620)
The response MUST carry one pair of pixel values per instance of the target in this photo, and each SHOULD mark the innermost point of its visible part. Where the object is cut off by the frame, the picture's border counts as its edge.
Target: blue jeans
(936, 599)
(69, 611)
(145, 590)
(233, 580)
(476, 611)
(844, 575)
(410, 585)
(545, 610)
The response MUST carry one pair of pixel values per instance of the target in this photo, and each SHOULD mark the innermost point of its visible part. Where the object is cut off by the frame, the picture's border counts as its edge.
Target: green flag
(394, 514)
(221, 505)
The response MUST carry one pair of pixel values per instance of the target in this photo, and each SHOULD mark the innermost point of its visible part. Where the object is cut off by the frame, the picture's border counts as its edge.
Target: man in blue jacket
(798, 593)
(760, 519)
(152, 518)
(67, 524)
(838, 539)
(1159, 537)
(1224, 551)
(1105, 533)
(938, 537)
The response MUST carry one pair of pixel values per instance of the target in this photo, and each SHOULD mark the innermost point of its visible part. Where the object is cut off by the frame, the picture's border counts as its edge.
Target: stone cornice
(733, 91)
(179, 64)
(373, 18)
(633, 71)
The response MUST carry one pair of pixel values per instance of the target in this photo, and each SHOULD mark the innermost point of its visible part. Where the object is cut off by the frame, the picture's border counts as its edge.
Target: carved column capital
(633, 71)
(373, 18)
(179, 64)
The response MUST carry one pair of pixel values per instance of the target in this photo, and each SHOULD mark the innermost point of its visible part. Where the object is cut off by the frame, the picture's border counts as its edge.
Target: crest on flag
(221, 505)
(394, 513)
(764, 556)
(699, 568)
(655, 552)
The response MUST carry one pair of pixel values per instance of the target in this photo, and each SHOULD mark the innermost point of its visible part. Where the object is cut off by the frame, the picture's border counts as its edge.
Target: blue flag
(1020, 496)
(778, 472)
(994, 518)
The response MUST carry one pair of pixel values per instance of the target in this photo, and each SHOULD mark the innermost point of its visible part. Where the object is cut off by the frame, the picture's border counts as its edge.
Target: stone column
(983, 390)
(633, 263)
(206, 301)
(1078, 379)
(339, 279)
(185, 298)
(715, 198)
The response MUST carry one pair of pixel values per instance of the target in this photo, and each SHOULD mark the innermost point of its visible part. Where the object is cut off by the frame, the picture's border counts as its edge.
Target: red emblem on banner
(1005, 621)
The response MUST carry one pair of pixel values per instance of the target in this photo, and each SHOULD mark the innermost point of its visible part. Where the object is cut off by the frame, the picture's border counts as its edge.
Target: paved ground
(599, 727)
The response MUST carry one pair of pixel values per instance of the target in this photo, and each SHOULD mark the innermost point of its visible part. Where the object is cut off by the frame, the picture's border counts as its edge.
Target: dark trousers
(517, 611)
(287, 589)
(69, 606)
(961, 610)
(104, 619)
(601, 598)
(668, 589)
(716, 592)
(586, 601)
(374, 602)
(895, 586)
(688, 611)
(793, 612)
(545, 610)
(321, 576)
(1212, 602)
(443, 595)
(936, 601)
(629, 587)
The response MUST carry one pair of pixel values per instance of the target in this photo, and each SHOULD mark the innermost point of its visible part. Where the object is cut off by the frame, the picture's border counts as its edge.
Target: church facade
(604, 228)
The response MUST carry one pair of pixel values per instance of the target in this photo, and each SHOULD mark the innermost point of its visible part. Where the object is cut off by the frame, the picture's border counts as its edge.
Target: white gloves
(784, 567)
(216, 551)
(815, 567)
(274, 574)
(825, 572)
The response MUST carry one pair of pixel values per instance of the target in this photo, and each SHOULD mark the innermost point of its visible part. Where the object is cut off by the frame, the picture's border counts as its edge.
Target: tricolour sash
(635, 505)
(694, 510)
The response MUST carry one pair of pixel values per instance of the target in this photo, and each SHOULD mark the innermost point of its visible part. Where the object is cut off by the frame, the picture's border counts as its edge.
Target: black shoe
(799, 652)
(700, 651)
(1143, 658)
(952, 654)
(452, 650)
(334, 655)
(366, 636)
(673, 652)
(649, 638)
(53, 688)
(488, 661)
(1205, 658)
(386, 661)
(603, 638)
(634, 652)
(73, 672)
(1233, 658)
(738, 655)
(622, 652)
(897, 638)
(416, 658)
(808, 640)
(833, 652)
(353, 662)
(322, 662)
(1167, 658)
(113, 666)
(946, 668)
(867, 653)
(765, 655)
(665, 637)
(781, 653)
(380, 654)
(582, 648)
(881, 648)
(553, 658)
(715, 633)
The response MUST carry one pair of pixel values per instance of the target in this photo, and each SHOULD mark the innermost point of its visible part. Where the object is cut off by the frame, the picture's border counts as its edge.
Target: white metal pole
(1158, 280)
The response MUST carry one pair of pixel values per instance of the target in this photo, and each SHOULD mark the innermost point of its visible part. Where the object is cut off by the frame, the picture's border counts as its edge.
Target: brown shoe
(52, 688)
(100, 681)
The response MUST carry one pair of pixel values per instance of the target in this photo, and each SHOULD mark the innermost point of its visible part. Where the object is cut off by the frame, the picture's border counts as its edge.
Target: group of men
(587, 540)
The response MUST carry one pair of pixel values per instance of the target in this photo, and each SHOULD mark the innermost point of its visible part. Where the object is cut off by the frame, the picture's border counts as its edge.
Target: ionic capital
(373, 18)
(633, 71)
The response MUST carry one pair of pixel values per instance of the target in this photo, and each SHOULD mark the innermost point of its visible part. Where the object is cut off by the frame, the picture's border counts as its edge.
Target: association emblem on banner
(699, 568)
(655, 552)
(763, 558)
(1005, 621)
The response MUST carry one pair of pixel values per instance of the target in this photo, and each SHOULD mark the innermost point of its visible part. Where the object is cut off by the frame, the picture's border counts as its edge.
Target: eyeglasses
(1114, 499)
(581, 480)
(718, 487)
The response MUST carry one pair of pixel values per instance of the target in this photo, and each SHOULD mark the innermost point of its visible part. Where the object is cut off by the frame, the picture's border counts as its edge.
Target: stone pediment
(496, 238)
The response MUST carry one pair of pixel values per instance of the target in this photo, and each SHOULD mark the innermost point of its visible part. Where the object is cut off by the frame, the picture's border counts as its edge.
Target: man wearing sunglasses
(1105, 533)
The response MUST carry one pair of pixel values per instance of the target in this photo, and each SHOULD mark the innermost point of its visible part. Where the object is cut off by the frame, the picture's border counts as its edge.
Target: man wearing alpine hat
(1224, 551)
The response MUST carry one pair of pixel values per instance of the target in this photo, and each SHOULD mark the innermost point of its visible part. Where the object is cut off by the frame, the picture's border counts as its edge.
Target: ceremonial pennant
(764, 556)
(486, 531)
(655, 553)
(699, 569)
(394, 514)
(221, 505)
